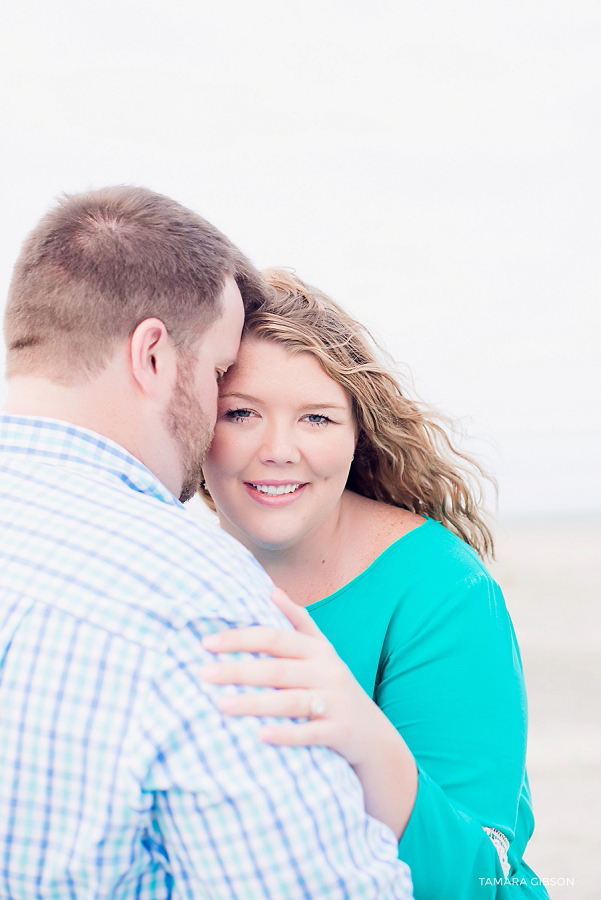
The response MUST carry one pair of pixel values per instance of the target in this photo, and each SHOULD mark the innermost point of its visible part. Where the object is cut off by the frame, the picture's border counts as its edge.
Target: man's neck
(109, 406)
(84, 405)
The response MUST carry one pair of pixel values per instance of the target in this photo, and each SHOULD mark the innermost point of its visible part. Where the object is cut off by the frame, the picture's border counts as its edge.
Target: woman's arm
(451, 682)
(314, 683)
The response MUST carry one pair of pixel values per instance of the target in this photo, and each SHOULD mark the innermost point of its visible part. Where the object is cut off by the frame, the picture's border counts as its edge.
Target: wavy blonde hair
(404, 457)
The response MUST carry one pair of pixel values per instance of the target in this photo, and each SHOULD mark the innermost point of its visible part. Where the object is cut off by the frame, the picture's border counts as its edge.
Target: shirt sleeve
(231, 817)
(451, 682)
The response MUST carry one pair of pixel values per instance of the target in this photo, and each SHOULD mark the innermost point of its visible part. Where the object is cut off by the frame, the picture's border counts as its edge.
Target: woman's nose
(279, 447)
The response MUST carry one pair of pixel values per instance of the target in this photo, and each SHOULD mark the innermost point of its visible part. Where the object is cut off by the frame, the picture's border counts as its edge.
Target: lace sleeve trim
(501, 845)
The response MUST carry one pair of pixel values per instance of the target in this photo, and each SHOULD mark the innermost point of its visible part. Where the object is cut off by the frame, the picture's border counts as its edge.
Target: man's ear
(153, 359)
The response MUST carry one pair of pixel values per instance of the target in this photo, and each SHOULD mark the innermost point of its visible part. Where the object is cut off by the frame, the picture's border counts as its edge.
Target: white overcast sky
(435, 166)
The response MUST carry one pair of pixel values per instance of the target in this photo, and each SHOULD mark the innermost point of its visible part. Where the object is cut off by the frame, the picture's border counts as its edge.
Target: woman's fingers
(277, 673)
(293, 704)
(304, 642)
(297, 615)
(316, 732)
(314, 683)
(261, 639)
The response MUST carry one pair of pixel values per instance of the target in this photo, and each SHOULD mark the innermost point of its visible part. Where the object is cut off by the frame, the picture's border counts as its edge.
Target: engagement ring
(317, 707)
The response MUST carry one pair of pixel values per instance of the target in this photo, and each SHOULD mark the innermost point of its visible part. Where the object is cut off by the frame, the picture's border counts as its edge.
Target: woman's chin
(259, 536)
(273, 540)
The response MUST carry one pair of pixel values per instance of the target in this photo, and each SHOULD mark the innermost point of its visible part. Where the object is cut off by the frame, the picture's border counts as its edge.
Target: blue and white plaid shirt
(118, 775)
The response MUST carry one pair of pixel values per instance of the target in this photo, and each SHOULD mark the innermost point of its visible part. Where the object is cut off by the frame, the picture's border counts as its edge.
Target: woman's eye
(238, 415)
(315, 419)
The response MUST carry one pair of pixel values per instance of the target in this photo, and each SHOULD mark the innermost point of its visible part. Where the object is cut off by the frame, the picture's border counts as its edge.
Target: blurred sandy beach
(550, 573)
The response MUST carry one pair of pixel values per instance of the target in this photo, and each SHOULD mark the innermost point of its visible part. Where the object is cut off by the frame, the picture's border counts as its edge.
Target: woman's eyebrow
(241, 396)
(322, 406)
(250, 399)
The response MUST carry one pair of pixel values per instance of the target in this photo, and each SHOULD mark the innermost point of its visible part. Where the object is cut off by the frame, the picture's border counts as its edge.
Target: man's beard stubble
(190, 427)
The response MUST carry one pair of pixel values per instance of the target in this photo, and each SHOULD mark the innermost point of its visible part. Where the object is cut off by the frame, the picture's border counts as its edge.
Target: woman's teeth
(273, 490)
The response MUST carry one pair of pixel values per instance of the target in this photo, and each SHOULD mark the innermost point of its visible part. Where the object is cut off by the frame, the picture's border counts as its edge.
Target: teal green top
(426, 633)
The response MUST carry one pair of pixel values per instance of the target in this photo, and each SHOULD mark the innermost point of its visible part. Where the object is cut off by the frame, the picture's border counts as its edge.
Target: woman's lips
(274, 500)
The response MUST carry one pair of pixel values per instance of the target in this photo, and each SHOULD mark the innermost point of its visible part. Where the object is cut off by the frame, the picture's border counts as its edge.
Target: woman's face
(283, 446)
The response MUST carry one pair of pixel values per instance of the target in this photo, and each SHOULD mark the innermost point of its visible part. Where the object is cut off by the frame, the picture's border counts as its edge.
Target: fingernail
(211, 641)
(227, 703)
(209, 673)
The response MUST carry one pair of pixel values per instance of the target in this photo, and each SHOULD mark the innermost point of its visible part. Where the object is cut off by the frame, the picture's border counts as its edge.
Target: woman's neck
(307, 571)
(311, 568)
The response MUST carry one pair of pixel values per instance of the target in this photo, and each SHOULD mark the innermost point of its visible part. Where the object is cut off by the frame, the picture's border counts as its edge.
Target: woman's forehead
(268, 366)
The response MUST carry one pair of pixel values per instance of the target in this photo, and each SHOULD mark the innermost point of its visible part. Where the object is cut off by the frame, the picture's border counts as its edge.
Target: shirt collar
(61, 443)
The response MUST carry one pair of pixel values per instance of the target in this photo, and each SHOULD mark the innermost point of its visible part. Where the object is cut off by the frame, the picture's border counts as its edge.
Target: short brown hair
(99, 263)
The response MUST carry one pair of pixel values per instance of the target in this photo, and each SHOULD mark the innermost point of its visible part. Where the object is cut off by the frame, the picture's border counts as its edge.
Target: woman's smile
(275, 493)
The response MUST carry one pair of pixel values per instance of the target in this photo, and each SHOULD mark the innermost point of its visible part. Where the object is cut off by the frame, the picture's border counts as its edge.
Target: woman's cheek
(230, 451)
(334, 457)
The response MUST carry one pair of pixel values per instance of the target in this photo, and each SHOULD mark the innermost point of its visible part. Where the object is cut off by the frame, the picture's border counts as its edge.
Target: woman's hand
(313, 683)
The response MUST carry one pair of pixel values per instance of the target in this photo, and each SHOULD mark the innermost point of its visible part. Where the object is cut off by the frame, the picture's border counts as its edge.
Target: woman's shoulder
(436, 586)
(376, 526)
(399, 537)
(435, 555)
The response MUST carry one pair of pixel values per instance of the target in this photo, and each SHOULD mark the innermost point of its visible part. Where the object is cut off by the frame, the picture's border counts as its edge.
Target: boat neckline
(345, 587)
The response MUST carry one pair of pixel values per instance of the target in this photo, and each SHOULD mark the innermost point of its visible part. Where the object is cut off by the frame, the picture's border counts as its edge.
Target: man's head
(97, 264)
(125, 292)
